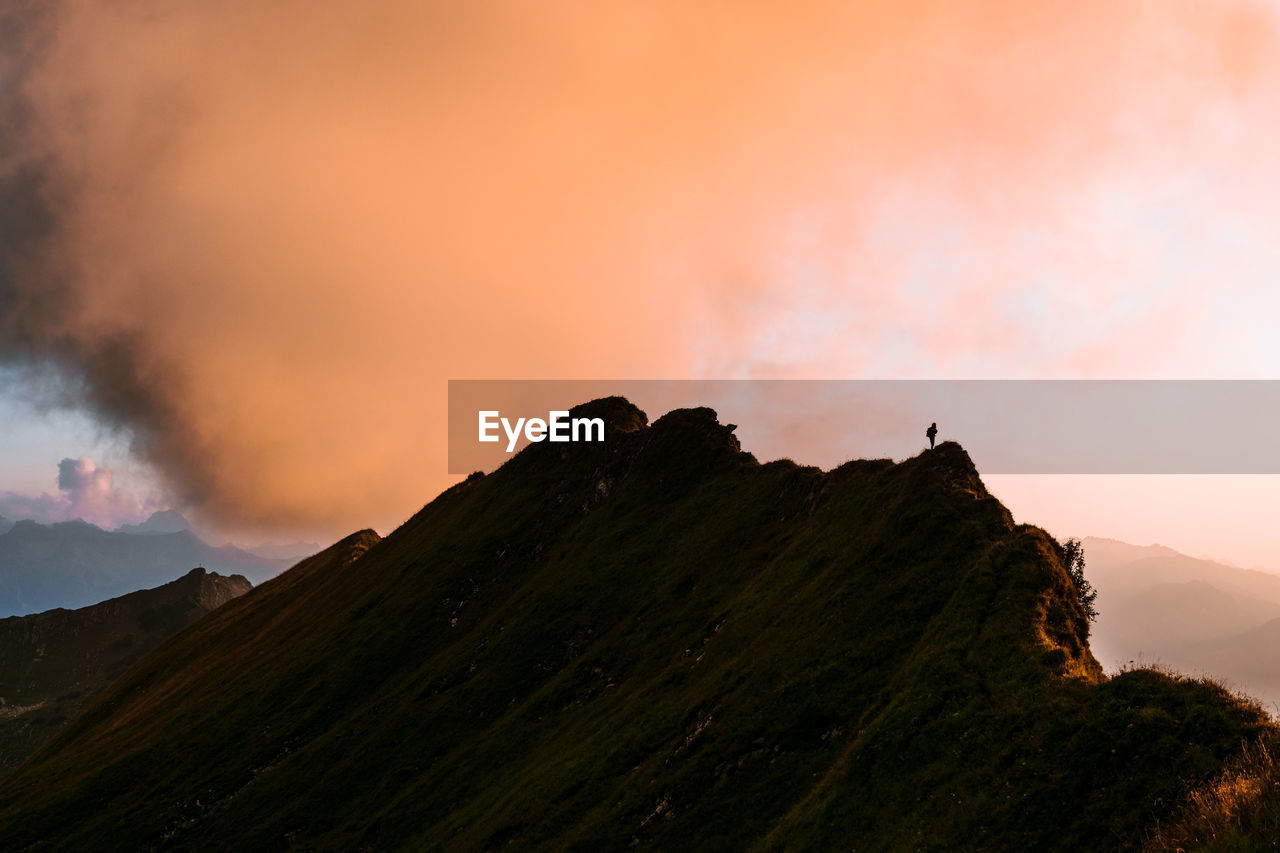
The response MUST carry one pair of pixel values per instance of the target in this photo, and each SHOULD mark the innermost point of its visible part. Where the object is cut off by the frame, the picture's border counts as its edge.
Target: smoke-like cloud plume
(260, 237)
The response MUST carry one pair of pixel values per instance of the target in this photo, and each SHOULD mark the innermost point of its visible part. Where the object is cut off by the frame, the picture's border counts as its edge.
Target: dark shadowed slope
(655, 642)
(75, 564)
(51, 662)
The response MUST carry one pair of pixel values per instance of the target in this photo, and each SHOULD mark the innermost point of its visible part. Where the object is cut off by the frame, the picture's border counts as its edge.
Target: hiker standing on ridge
(932, 432)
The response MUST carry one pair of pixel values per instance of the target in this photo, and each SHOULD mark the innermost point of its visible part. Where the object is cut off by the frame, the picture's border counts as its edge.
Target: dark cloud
(80, 475)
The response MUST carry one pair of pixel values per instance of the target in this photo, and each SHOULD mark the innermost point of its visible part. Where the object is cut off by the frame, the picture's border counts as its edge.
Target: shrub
(1073, 559)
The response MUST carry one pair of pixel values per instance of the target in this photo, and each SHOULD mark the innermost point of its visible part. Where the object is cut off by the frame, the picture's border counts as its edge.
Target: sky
(243, 246)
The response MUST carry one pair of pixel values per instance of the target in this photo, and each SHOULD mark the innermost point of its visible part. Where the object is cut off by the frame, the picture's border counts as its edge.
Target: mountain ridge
(653, 641)
(163, 521)
(74, 564)
(50, 662)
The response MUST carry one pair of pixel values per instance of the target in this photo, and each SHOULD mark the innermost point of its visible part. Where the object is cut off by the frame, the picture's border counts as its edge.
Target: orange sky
(280, 228)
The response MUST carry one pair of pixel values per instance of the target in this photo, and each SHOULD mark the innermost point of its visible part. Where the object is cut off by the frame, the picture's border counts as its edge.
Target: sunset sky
(243, 245)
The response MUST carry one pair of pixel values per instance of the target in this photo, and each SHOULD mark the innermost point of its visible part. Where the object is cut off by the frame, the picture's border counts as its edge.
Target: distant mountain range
(172, 521)
(1197, 616)
(52, 662)
(75, 564)
(164, 521)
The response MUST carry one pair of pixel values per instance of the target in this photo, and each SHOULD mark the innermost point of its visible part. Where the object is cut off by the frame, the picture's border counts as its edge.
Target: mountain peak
(683, 434)
(158, 523)
(26, 526)
(952, 464)
(619, 413)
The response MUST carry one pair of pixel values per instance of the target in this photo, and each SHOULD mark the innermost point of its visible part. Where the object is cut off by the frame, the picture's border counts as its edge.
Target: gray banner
(1007, 426)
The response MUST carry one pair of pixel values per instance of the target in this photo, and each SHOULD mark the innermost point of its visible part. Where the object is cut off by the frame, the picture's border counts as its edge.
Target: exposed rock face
(51, 662)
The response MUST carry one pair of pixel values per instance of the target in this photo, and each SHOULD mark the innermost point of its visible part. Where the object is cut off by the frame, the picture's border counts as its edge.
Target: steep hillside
(51, 662)
(75, 564)
(653, 642)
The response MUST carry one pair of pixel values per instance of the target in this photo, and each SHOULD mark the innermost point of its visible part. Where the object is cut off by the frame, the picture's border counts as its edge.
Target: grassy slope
(1237, 810)
(657, 640)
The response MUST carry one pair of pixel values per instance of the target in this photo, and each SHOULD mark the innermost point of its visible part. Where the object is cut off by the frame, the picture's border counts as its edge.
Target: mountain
(1163, 616)
(75, 564)
(1248, 660)
(652, 641)
(1193, 615)
(1125, 567)
(164, 521)
(51, 662)
(5, 525)
(172, 521)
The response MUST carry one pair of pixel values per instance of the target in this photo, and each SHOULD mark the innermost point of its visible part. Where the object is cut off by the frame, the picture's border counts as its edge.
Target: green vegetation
(652, 641)
(1071, 553)
(1237, 810)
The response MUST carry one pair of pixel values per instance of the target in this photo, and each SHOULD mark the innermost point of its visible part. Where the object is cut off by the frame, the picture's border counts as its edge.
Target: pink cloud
(85, 491)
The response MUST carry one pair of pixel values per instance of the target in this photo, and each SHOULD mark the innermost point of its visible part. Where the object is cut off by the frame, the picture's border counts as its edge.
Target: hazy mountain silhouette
(51, 662)
(1194, 615)
(1126, 567)
(172, 521)
(164, 521)
(75, 564)
(652, 641)
(1249, 659)
(5, 525)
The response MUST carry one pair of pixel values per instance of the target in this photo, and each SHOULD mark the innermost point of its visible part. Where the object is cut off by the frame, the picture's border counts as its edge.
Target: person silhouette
(932, 432)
